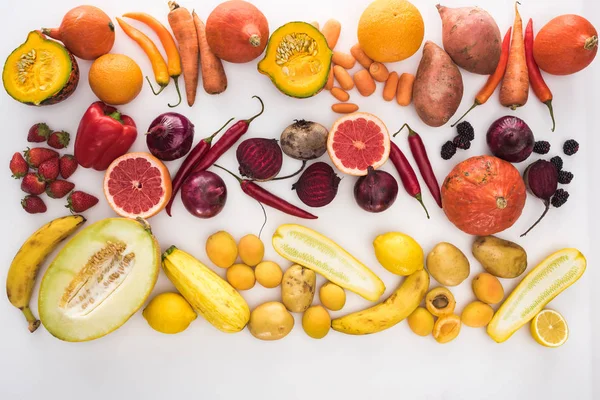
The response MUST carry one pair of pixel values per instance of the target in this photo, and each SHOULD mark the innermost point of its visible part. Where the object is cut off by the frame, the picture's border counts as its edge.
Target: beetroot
(375, 192)
(510, 139)
(204, 194)
(260, 159)
(541, 179)
(318, 185)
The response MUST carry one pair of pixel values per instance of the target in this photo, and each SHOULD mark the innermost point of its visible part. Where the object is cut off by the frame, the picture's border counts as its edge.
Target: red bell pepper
(104, 134)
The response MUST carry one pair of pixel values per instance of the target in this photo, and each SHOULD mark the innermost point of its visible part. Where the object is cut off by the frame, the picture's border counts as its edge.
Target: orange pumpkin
(565, 45)
(483, 195)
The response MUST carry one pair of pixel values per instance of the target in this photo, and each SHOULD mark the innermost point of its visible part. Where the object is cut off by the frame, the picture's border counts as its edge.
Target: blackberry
(541, 147)
(466, 130)
(448, 150)
(461, 142)
(560, 197)
(565, 177)
(558, 162)
(570, 147)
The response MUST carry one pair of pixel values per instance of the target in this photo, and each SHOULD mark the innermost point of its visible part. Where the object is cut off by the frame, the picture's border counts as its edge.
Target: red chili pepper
(188, 164)
(541, 90)
(104, 134)
(265, 197)
(407, 174)
(417, 148)
(232, 135)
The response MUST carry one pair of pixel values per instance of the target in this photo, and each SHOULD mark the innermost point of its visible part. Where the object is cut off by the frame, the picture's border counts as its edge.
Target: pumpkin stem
(547, 204)
(176, 80)
(255, 40)
(591, 42)
(111, 26)
(173, 5)
(501, 203)
(152, 88)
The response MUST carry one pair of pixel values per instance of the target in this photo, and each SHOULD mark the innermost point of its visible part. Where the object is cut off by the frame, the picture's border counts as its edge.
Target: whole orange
(116, 79)
(390, 30)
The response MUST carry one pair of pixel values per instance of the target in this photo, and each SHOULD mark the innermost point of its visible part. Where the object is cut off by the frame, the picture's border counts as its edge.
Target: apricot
(487, 288)
(251, 249)
(316, 322)
(221, 249)
(241, 276)
(421, 322)
(440, 301)
(446, 328)
(477, 314)
(332, 296)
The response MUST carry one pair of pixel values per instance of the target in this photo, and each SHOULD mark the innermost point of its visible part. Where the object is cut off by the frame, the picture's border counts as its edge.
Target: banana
(387, 314)
(26, 264)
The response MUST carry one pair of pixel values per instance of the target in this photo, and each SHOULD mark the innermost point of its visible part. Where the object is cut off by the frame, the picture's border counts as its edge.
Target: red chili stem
(417, 148)
(188, 164)
(407, 174)
(541, 90)
(267, 198)
(229, 138)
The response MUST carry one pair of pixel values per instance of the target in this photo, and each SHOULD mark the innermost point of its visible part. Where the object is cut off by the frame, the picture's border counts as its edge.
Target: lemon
(169, 313)
(549, 328)
(399, 253)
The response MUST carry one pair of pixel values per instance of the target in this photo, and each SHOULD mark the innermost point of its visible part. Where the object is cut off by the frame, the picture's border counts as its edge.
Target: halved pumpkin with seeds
(297, 59)
(99, 279)
(40, 72)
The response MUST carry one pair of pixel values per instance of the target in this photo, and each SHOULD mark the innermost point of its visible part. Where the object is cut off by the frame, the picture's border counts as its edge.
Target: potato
(438, 86)
(447, 264)
(270, 321)
(298, 288)
(304, 140)
(500, 257)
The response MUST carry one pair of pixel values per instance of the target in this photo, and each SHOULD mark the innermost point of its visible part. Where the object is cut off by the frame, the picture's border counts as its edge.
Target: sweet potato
(472, 38)
(438, 86)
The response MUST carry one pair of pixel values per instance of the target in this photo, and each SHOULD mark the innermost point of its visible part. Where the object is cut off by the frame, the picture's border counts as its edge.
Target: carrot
(182, 25)
(214, 79)
(168, 43)
(541, 90)
(379, 72)
(360, 56)
(343, 78)
(331, 30)
(515, 85)
(340, 94)
(344, 108)
(405, 89)
(316, 24)
(159, 66)
(343, 59)
(364, 83)
(329, 83)
(391, 86)
(494, 80)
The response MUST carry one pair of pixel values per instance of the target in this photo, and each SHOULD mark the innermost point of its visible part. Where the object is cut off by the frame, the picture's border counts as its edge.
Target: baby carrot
(405, 89)
(343, 59)
(360, 56)
(343, 78)
(364, 83)
(515, 85)
(214, 79)
(159, 66)
(344, 108)
(379, 72)
(331, 30)
(340, 94)
(168, 43)
(182, 25)
(391, 86)
(329, 83)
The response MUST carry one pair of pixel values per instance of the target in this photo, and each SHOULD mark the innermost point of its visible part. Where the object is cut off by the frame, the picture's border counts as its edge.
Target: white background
(137, 362)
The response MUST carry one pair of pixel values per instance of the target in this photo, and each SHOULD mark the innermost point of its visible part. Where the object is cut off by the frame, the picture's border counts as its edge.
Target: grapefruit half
(137, 185)
(358, 141)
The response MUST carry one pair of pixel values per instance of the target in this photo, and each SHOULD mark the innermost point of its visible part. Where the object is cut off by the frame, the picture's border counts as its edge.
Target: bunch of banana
(387, 314)
(26, 264)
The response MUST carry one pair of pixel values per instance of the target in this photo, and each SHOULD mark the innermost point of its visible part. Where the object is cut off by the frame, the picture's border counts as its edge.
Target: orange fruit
(358, 141)
(115, 79)
(390, 30)
(137, 185)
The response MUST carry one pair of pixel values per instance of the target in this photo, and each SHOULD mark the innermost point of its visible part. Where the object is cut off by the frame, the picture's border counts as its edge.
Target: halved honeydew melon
(99, 279)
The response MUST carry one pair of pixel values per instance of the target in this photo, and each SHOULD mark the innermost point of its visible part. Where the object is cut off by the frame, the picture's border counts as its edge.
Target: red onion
(204, 194)
(375, 192)
(318, 185)
(260, 159)
(170, 136)
(541, 179)
(510, 139)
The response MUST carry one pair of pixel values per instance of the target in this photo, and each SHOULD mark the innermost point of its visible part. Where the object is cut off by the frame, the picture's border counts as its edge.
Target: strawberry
(38, 155)
(38, 133)
(33, 204)
(68, 165)
(59, 189)
(18, 166)
(32, 183)
(59, 140)
(79, 201)
(48, 170)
